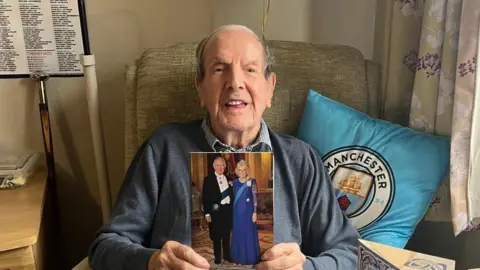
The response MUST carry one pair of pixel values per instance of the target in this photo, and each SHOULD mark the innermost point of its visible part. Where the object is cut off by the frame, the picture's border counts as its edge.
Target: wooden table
(22, 224)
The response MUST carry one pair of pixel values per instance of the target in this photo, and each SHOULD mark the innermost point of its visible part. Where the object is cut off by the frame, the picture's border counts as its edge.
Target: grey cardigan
(152, 206)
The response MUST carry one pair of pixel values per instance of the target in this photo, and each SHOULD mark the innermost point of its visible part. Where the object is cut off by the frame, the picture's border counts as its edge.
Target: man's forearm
(118, 243)
(330, 241)
(335, 258)
(339, 249)
(112, 251)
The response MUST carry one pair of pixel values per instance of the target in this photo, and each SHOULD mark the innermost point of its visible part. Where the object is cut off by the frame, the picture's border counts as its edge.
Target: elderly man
(150, 224)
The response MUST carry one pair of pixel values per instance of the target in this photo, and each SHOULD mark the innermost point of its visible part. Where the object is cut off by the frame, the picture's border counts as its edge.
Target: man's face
(234, 89)
(219, 166)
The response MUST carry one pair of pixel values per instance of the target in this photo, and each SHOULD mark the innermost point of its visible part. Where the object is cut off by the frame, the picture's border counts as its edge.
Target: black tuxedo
(221, 215)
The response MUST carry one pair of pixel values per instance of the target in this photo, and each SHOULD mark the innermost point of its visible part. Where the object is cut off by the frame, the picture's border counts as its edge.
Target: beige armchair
(160, 87)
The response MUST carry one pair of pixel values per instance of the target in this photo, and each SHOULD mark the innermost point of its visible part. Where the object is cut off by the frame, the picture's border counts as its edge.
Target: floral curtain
(435, 73)
(464, 186)
(428, 62)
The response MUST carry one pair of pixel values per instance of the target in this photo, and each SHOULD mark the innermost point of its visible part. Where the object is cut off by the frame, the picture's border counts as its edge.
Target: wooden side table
(22, 224)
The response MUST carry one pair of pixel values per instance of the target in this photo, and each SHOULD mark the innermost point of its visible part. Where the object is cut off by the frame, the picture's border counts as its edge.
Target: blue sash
(225, 193)
(239, 192)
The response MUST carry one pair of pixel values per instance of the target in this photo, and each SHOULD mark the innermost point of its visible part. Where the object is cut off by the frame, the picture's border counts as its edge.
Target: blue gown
(245, 247)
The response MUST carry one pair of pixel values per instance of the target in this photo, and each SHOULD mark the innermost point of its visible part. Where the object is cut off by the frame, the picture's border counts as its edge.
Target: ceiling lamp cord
(265, 16)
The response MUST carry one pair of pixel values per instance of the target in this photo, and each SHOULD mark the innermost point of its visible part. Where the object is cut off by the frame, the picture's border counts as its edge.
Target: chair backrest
(160, 85)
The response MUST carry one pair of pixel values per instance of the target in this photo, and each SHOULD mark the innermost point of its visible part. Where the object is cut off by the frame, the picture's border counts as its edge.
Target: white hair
(219, 158)
(200, 53)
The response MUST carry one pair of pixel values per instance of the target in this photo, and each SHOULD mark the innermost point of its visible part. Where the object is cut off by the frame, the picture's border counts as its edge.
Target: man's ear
(271, 82)
(198, 86)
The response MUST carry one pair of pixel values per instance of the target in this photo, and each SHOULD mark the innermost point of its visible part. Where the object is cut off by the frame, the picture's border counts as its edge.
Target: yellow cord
(265, 17)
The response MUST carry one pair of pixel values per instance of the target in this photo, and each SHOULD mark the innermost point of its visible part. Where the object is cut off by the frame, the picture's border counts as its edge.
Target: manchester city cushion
(384, 175)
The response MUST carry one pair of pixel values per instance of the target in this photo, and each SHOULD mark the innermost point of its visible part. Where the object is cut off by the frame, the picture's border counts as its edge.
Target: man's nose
(236, 78)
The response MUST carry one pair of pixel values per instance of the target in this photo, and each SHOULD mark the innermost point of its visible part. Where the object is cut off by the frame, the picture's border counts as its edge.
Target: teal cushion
(384, 175)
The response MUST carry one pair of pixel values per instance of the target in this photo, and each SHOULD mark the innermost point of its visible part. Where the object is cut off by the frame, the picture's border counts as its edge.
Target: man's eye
(251, 70)
(219, 69)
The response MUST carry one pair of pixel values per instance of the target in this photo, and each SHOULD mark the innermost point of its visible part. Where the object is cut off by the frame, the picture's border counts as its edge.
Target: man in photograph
(217, 204)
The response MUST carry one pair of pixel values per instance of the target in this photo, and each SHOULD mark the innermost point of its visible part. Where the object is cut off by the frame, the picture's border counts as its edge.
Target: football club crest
(363, 181)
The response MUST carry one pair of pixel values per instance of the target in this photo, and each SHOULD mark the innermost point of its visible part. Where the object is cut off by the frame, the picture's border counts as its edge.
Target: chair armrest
(131, 141)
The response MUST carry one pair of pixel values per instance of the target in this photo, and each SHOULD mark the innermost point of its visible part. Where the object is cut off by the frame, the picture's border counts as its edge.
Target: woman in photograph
(245, 247)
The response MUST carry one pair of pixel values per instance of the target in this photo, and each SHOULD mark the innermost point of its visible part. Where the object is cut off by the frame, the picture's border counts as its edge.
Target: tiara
(242, 162)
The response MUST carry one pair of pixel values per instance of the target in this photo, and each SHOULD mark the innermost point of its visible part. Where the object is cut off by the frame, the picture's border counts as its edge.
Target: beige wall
(297, 27)
(345, 22)
(350, 23)
(119, 31)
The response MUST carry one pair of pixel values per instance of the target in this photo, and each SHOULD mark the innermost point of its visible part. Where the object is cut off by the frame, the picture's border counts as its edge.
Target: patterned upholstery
(160, 85)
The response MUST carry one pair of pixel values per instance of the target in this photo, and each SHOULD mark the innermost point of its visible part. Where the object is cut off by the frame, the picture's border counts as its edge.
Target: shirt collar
(262, 138)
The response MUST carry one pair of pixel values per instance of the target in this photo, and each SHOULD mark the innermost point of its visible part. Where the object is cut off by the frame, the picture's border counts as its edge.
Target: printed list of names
(40, 35)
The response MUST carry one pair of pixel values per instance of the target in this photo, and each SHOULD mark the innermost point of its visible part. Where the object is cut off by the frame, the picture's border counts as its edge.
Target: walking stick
(40, 77)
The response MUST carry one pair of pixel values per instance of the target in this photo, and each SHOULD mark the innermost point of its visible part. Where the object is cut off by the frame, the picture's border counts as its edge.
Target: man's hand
(254, 217)
(174, 255)
(282, 256)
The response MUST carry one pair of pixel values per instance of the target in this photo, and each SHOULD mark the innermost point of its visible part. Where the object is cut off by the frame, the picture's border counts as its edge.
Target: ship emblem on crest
(354, 185)
(363, 182)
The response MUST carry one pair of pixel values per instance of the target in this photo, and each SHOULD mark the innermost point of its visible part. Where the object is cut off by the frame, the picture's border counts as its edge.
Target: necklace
(220, 180)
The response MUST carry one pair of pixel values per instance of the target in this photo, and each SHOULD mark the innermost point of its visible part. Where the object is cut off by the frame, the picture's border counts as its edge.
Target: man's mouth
(236, 104)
